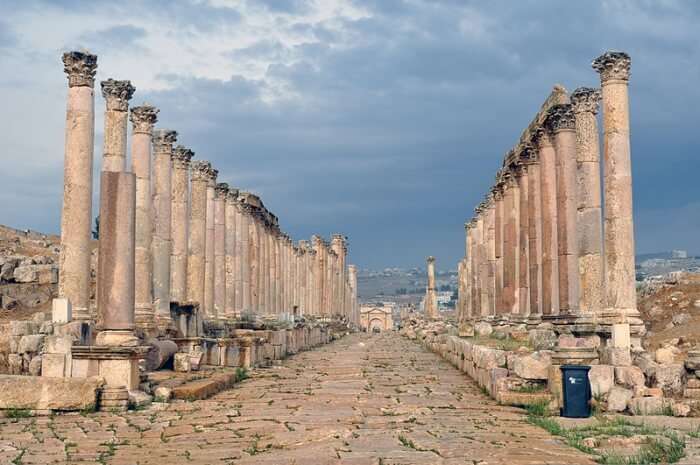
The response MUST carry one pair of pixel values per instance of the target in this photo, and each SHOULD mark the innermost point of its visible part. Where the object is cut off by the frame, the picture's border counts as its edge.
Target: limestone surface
(361, 400)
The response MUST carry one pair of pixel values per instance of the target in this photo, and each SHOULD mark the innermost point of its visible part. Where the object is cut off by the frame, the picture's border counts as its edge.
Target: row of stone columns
(171, 235)
(539, 246)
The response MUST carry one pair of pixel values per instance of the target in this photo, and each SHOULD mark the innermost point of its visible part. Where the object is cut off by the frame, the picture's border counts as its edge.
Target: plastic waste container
(577, 391)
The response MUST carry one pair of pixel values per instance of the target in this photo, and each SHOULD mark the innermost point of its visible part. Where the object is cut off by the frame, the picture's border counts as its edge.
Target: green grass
(655, 451)
(16, 413)
(241, 374)
(530, 388)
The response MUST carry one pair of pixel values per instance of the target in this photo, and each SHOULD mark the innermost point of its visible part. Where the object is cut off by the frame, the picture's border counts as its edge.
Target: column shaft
(180, 208)
(76, 213)
(196, 263)
(550, 243)
(220, 194)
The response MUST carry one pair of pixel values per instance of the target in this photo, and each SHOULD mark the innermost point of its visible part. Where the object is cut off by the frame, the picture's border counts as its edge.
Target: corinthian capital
(143, 118)
(613, 66)
(221, 190)
(181, 157)
(541, 137)
(232, 196)
(585, 100)
(528, 153)
(81, 68)
(200, 170)
(560, 117)
(117, 94)
(163, 140)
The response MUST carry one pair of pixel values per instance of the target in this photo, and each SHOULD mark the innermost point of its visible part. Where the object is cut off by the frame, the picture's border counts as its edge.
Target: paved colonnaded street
(365, 399)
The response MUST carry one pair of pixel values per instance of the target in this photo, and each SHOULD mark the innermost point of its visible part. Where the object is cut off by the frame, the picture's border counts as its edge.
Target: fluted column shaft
(76, 214)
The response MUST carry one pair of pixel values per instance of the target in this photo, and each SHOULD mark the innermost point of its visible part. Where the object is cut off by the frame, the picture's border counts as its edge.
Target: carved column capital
(221, 190)
(163, 140)
(613, 66)
(200, 170)
(232, 196)
(213, 174)
(117, 94)
(431, 259)
(560, 117)
(181, 157)
(81, 68)
(541, 137)
(585, 100)
(528, 154)
(143, 118)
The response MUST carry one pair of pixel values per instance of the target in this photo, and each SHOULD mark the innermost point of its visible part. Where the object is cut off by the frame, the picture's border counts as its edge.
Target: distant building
(375, 318)
(679, 254)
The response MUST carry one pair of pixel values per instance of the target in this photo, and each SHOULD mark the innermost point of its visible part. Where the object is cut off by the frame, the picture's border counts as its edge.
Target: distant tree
(96, 231)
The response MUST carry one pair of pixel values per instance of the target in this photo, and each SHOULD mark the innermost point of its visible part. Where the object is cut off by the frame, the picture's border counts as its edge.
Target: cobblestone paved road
(363, 400)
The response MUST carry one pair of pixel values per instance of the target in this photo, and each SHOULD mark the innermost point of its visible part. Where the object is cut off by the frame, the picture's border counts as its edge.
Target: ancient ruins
(187, 266)
(550, 269)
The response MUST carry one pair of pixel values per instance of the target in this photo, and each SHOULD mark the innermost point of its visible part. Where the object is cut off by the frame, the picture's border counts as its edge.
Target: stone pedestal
(115, 292)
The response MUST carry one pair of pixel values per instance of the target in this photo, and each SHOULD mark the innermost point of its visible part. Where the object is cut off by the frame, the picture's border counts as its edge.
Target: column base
(117, 338)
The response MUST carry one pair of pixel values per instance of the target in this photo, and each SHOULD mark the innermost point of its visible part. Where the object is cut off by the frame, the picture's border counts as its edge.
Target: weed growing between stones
(665, 446)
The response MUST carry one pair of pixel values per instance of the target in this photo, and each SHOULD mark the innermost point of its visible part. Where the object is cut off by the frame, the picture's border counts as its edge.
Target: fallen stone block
(618, 399)
(43, 393)
(602, 378)
(532, 366)
(159, 354)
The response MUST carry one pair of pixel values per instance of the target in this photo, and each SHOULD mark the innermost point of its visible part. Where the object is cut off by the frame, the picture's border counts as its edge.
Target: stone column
(523, 241)
(319, 273)
(483, 261)
(76, 214)
(468, 299)
(352, 279)
(163, 140)
(562, 123)
(584, 102)
(534, 221)
(210, 248)
(621, 298)
(220, 194)
(431, 309)
(243, 232)
(550, 243)
(338, 246)
(254, 263)
(143, 118)
(196, 262)
(179, 223)
(511, 262)
(490, 221)
(266, 269)
(117, 95)
(115, 293)
(231, 243)
(275, 274)
(498, 239)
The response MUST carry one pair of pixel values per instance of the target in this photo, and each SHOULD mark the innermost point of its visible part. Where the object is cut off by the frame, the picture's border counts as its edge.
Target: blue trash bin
(577, 391)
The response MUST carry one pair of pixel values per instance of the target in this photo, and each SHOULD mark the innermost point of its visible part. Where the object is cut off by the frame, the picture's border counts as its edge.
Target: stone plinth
(119, 366)
(115, 291)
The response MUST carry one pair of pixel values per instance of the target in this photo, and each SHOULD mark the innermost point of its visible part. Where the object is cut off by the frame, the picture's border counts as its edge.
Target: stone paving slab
(363, 400)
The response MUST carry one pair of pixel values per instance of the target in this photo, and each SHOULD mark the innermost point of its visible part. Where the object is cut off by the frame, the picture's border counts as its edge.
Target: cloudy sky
(381, 119)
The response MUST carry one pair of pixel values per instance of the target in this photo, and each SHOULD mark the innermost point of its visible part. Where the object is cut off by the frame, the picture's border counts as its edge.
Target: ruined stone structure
(534, 249)
(186, 266)
(431, 304)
